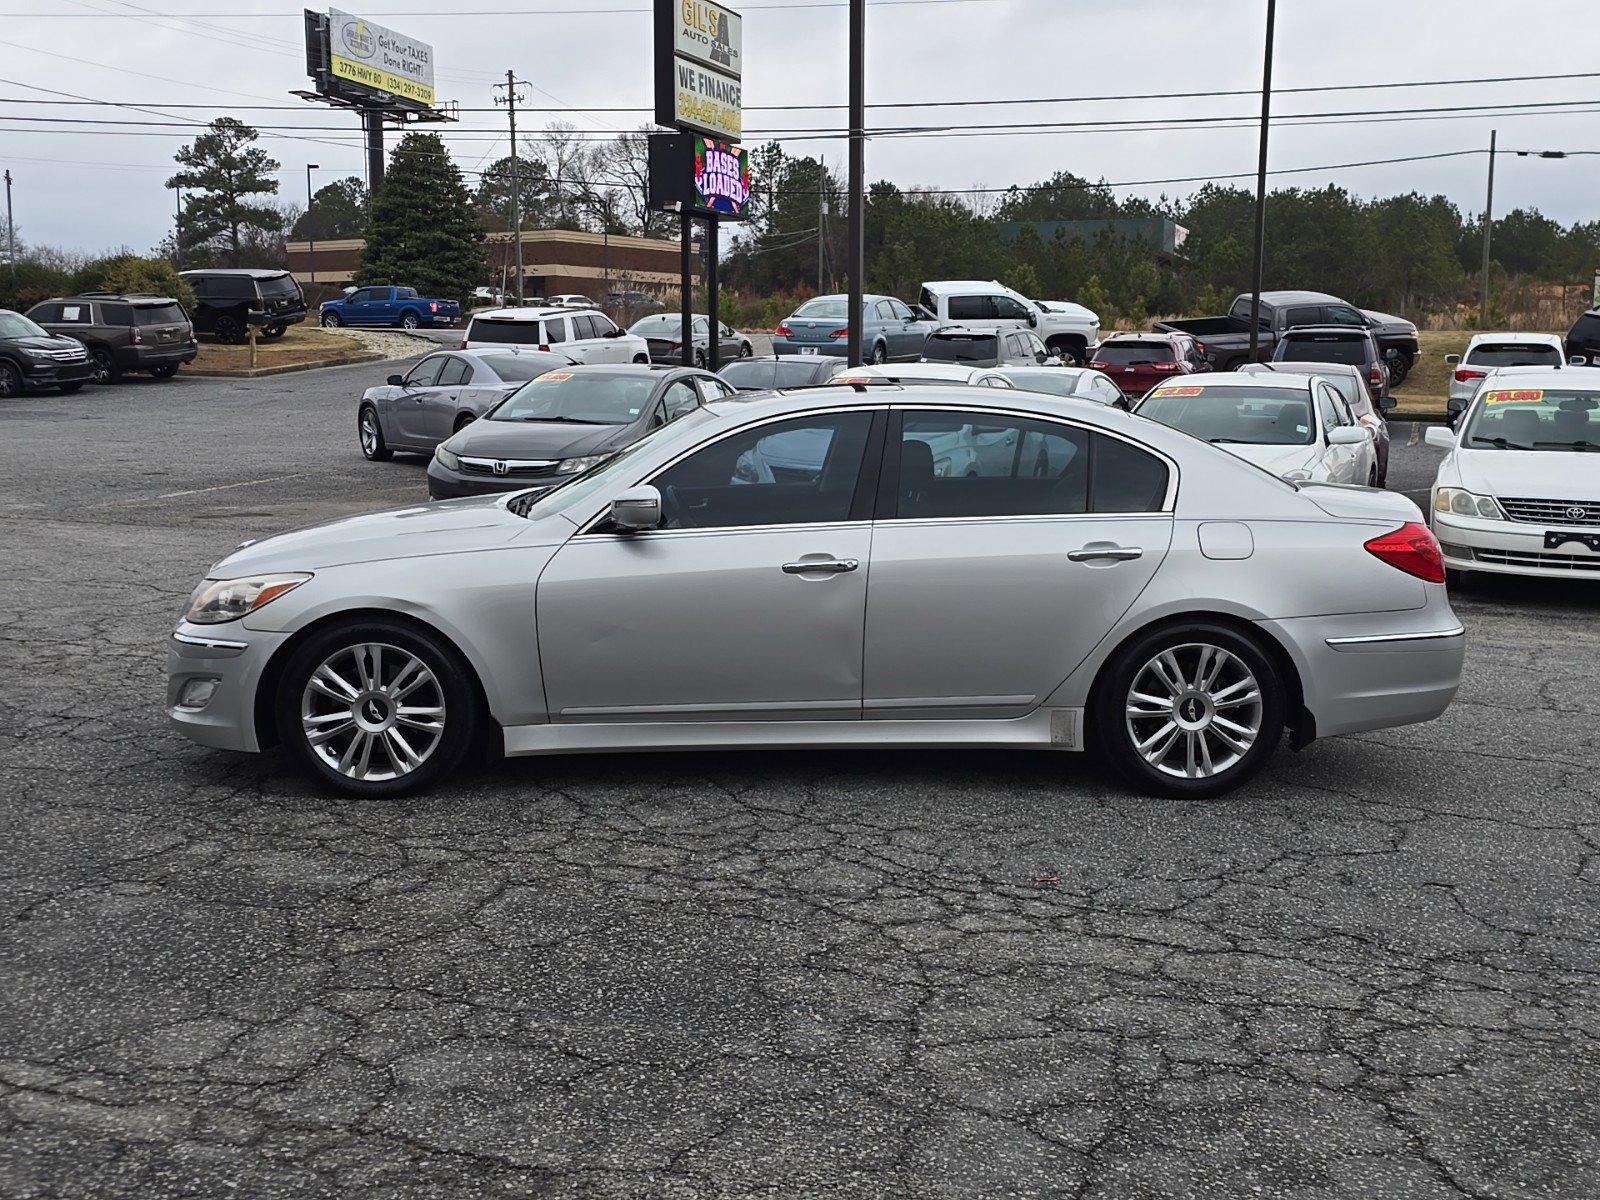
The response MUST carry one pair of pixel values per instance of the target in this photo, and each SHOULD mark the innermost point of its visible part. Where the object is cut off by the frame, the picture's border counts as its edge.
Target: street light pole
(177, 228)
(1488, 230)
(857, 257)
(1261, 185)
(311, 230)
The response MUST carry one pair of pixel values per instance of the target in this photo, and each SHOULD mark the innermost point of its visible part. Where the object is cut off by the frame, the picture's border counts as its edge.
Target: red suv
(1137, 362)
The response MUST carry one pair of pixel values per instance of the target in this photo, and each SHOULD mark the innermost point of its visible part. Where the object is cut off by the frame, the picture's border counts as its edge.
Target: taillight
(782, 331)
(1099, 365)
(433, 306)
(1467, 374)
(839, 333)
(1413, 549)
(1165, 367)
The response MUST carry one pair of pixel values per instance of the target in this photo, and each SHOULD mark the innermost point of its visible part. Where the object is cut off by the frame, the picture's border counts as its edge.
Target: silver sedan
(1045, 573)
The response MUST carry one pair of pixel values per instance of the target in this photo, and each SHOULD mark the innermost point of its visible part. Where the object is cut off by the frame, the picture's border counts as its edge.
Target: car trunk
(162, 325)
(813, 331)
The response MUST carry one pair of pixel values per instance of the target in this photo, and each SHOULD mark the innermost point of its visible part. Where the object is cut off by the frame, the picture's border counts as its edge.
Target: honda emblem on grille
(500, 467)
(1576, 513)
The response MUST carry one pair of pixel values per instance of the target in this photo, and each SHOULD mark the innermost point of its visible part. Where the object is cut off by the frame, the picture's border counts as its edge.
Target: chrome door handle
(830, 566)
(1115, 553)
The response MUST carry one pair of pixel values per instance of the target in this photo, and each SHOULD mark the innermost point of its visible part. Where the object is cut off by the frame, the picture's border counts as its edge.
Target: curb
(259, 372)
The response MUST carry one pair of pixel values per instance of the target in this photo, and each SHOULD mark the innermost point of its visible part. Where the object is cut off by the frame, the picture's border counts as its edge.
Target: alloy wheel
(1194, 710)
(369, 432)
(10, 381)
(372, 712)
(102, 366)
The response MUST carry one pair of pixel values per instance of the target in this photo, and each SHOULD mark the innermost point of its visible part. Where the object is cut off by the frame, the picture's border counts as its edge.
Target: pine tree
(423, 230)
(224, 171)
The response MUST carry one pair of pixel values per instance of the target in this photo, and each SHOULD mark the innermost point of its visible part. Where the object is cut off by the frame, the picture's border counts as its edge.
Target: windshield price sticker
(1521, 396)
(1178, 391)
(553, 377)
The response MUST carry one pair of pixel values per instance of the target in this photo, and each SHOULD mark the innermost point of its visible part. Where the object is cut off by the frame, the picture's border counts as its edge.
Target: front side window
(363, 296)
(792, 472)
(1328, 408)
(601, 324)
(425, 372)
(1343, 314)
(1011, 310)
(1234, 413)
(680, 398)
(898, 311)
(965, 464)
(582, 327)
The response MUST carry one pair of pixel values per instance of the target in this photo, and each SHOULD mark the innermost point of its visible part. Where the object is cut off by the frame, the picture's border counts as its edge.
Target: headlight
(571, 466)
(218, 600)
(447, 460)
(1466, 504)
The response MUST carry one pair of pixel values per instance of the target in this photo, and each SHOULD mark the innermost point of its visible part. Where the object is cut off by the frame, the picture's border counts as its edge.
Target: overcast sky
(93, 191)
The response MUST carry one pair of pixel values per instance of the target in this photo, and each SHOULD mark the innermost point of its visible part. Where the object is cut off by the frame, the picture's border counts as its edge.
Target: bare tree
(573, 164)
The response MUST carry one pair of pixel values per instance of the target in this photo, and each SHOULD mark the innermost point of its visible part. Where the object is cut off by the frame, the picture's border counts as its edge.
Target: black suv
(34, 360)
(1583, 339)
(124, 331)
(1336, 344)
(224, 301)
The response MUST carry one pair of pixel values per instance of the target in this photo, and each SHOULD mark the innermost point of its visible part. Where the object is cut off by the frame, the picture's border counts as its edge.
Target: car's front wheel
(1189, 711)
(370, 430)
(376, 708)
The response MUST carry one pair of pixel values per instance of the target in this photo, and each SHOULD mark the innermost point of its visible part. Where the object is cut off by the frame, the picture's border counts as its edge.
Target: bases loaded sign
(699, 66)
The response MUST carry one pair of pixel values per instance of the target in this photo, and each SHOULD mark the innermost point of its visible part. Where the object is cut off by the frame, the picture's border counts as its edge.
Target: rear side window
(116, 314)
(231, 287)
(1323, 347)
(555, 330)
(159, 314)
(971, 308)
(1302, 316)
(455, 371)
(1126, 479)
(973, 464)
(405, 293)
(505, 333)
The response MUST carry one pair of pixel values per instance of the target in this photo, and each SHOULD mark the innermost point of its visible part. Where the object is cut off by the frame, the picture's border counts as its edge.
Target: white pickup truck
(1070, 330)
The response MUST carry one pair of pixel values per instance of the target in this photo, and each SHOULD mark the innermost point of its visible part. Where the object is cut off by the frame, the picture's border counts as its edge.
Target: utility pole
(510, 101)
(177, 229)
(11, 231)
(1488, 230)
(1261, 186)
(311, 230)
(857, 257)
(822, 212)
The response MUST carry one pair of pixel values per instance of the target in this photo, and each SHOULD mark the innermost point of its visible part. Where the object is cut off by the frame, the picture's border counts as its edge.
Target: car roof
(940, 372)
(534, 313)
(1562, 375)
(1300, 367)
(149, 299)
(1129, 335)
(1294, 297)
(938, 286)
(503, 350)
(1341, 330)
(1543, 339)
(1289, 381)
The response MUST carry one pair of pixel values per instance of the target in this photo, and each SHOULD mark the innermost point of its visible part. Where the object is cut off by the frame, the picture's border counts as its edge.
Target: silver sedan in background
(1087, 577)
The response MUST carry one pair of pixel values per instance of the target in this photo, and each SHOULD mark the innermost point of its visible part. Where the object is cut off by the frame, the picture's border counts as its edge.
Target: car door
(973, 312)
(730, 342)
(441, 401)
(746, 604)
(607, 347)
(582, 343)
(1012, 313)
(679, 400)
(409, 407)
(1339, 462)
(989, 588)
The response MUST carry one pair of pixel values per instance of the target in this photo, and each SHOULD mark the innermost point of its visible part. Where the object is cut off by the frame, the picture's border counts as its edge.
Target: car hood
(1276, 459)
(1535, 474)
(536, 439)
(476, 523)
(45, 343)
(1072, 312)
(1388, 322)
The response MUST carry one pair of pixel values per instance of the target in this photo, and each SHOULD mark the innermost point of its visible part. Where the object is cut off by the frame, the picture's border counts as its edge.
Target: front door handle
(821, 566)
(1097, 552)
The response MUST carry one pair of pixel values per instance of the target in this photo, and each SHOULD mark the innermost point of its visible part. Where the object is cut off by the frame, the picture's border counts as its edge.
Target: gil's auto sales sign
(699, 67)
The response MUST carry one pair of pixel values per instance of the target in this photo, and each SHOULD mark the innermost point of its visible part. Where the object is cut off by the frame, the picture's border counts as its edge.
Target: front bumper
(1376, 670)
(1515, 548)
(230, 657)
(445, 484)
(43, 376)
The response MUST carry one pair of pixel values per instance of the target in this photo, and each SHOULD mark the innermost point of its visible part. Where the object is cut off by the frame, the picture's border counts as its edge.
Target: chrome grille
(1552, 512)
(514, 468)
(67, 355)
(1550, 560)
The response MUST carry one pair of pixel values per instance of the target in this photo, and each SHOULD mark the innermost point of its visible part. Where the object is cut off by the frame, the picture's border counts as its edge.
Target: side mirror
(1440, 437)
(613, 333)
(1033, 320)
(397, 381)
(1348, 435)
(636, 509)
(1388, 403)
(1453, 360)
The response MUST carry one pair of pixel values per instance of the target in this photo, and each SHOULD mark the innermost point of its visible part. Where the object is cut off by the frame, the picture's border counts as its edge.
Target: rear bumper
(1514, 548)
(829, 349)
(137, 358)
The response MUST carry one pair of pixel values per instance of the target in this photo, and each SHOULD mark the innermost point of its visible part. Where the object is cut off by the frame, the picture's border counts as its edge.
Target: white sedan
(1519, 491)
(1296, 426)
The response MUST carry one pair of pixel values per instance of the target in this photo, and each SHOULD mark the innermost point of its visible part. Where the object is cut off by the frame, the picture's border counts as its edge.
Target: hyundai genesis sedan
(794, 569)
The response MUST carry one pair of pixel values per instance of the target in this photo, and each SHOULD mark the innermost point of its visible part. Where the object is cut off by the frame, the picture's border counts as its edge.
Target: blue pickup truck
(388, 306)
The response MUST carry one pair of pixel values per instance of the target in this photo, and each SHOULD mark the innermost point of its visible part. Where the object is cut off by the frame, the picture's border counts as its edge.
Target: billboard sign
(368, 56)
(699, 65)
(721, 178)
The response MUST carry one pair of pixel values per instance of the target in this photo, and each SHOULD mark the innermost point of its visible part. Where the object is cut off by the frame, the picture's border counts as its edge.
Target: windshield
(831, 308)
(15, 325)
(982, 348)
(1233, 413)
(615, 473)
(1131, 354)
(1323, 347)
(1535, 419)
(516, 368)
(1052, 382)
(1511, 354)
(583, 399)
(278, 285)
(158, 314)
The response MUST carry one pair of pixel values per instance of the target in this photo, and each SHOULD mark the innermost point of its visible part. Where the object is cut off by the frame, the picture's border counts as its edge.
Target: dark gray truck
(1225, 341)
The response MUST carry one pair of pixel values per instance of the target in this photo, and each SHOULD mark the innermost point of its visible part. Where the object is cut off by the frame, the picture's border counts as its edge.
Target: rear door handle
(1094, 553)
(821, 566)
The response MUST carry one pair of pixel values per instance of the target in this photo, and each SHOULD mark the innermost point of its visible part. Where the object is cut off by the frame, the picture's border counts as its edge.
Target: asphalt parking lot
(1375, 972)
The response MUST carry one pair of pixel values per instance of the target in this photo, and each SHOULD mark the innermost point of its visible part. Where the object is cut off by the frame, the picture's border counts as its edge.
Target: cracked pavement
(1370, 974)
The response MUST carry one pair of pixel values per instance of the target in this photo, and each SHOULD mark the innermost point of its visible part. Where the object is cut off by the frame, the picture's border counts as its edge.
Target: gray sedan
(664, 334)
(442, 394)
(1088, 576)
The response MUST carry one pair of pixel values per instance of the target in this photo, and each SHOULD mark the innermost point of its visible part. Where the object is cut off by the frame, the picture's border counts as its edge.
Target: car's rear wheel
(376, 708)
(105, 367)
(410, 321)
(745, 350)
(10, 380)
(165, 371)
(370, 430)
(1067, 353)
(880, 354)
(330, 320)
(1189, 711)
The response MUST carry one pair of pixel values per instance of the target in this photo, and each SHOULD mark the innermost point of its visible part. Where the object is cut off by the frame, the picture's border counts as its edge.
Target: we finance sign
(699, 65)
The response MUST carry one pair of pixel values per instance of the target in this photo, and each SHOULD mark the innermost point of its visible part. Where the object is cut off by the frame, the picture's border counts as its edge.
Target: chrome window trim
(1369, 639)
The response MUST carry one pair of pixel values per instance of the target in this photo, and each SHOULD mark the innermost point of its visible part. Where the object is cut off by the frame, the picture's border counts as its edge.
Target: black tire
(1112, 727)
(464, 420)
(274, 331)
(700, 360)
(10, 380)
(1399, 367)
(452, 683)
(331, 320)
(369, 432)
(105, 367)
(229, 330)
(1069, 353)
(745, 350)
(880, 354)
(69, 388)
(410, 320)
(1372, 478)
(642, 358)
(165, 371)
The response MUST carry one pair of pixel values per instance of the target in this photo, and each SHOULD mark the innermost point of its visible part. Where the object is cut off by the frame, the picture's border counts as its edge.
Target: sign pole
(713, 358)
(1261, 186)
(373, 120)
(686, 299)
(858, 175)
